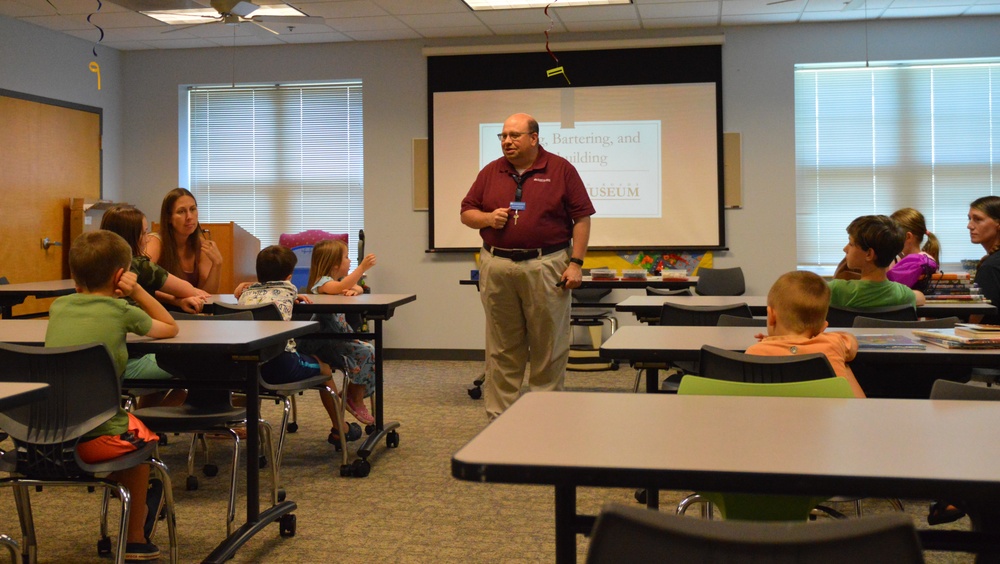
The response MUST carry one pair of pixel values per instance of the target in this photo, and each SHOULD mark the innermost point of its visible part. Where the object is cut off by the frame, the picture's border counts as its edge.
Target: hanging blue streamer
(99, 28)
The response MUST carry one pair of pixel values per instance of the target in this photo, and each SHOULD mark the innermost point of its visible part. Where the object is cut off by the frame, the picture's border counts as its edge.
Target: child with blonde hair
(796, 319)
(330, 273)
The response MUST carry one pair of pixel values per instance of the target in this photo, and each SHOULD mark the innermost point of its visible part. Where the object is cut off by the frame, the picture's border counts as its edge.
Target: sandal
(359, 411)
(353, 434)
(943, 512)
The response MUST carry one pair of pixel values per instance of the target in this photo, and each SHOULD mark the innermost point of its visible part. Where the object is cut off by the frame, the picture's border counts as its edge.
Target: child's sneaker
(359, 411)
(141, 552)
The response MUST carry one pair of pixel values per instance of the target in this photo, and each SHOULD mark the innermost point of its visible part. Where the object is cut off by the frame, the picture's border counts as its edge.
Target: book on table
(978, 330)
(881, 342)
(948, 339)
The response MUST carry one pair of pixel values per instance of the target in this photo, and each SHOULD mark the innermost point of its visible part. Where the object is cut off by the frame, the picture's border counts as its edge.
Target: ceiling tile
(678, 10)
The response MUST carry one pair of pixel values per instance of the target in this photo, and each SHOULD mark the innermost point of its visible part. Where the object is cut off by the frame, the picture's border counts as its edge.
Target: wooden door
(49, 153)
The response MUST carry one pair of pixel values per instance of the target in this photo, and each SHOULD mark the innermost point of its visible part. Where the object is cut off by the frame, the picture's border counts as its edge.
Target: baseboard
(434, 354)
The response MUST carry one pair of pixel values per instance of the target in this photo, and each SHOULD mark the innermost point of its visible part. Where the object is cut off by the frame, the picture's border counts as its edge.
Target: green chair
(755, 507)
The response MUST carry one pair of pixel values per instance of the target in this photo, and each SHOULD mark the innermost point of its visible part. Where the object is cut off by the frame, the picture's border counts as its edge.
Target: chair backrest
(3, 280)
(260, 312)
(701, 316)
(309, 237)
(941, 323)
(234, 316)
(829, 387)
(84, 391)
(946, 389)
(844, 316)
(630, 534)
(650, 291)
(720, 364)
(726, 320)
(720, 282)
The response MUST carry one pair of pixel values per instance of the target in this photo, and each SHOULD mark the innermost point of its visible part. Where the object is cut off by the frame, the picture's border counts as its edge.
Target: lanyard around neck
(519, 179)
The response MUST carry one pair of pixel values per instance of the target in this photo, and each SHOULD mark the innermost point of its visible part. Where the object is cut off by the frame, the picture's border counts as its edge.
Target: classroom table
(15, 394)
(14, 294)
(663, 283)
(648, 307)
(375, 307)
(658, 343)
(248, 343)
(918, 449)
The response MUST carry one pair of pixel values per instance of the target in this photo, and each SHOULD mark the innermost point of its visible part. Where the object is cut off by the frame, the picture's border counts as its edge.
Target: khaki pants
(527, 319)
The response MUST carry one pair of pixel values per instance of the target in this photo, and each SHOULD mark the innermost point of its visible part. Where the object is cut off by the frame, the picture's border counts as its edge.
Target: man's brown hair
(96, 256)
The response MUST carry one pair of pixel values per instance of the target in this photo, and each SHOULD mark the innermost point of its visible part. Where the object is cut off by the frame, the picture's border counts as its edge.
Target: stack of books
(952, 287)
(963, 336)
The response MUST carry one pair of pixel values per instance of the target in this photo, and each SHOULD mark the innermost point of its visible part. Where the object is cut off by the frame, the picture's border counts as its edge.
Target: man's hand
(498, 219)
(572, 276)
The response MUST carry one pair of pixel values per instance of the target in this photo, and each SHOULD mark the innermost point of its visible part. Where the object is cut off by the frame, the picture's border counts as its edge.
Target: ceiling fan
(183, 14)
(848, 4)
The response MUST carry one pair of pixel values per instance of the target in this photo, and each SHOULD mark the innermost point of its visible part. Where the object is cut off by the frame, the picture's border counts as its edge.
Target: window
(873, 140)
(278, 159)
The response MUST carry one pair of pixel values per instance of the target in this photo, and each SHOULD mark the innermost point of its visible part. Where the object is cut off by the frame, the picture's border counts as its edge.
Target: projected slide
(648, 154)
(619, 161)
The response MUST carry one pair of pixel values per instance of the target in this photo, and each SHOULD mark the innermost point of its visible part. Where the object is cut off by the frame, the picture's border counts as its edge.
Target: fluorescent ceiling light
(187, 17)
(518, 4)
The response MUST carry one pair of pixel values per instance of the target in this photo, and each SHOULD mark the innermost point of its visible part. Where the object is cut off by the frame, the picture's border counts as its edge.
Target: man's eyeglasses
(512, 136)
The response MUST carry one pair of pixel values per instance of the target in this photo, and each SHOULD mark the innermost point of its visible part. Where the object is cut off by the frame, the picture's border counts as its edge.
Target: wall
(39, 62)
(758, 102)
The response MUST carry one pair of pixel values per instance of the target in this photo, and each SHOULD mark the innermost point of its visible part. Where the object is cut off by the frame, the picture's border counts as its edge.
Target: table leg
(382, 429)
(652, 381)
(565, 531)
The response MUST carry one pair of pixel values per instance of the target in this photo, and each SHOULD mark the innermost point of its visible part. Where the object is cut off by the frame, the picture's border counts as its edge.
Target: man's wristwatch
(575, 260)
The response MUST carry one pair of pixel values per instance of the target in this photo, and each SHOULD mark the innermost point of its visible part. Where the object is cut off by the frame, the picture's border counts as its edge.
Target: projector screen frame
(585, 68)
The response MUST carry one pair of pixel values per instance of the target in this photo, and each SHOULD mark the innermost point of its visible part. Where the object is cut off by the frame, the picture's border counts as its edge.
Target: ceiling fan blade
(289, 20)
(161, 5)
(778, 2)
(243, 9)
(183, 27)
(853, 4)
(262, 26)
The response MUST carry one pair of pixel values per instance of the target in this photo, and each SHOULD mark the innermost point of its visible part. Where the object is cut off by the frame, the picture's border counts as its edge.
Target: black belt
(518, 255)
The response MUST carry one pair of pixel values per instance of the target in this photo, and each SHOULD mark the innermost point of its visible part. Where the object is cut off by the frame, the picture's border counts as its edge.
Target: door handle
(46, 243)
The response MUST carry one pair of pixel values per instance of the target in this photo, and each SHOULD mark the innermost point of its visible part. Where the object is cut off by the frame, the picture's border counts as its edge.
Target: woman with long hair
(182, 247)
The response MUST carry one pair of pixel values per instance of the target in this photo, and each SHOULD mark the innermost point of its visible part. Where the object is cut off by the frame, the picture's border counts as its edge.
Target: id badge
(518, 206)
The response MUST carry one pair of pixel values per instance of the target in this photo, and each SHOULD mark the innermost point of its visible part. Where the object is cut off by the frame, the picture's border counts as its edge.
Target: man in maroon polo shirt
(533, 213)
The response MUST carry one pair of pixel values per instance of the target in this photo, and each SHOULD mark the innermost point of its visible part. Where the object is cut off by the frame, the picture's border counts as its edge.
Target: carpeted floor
(409, 509)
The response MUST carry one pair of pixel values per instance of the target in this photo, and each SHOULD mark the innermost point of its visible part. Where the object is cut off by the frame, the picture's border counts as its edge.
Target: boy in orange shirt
(796, 318)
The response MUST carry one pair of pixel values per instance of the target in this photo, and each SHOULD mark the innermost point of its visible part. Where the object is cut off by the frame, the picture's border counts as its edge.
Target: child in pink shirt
(796, 318)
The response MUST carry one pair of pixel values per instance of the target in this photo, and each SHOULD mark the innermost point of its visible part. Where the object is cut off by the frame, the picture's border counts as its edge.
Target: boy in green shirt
(99, 264)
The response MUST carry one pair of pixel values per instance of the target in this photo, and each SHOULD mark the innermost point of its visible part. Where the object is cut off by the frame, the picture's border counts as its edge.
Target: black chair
(207, 412)
(844, 316)
(684, 315)
(285, 394)
(84, 392)
(593, 317)
(650, 291)
(631, 535)
(720, 282)
(940, 323)
(720, 364)
(726, 320)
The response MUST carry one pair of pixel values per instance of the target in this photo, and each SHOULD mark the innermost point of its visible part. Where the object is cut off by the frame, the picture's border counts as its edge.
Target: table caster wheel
(192, 483)
(161, 439)
(345, 470)
(281, 495)
(614, 365)
(475, 393)
(287, 525)
(640, 496)
(392, 439)
(292, 427)
(369, 429)
(360, 468)
(104, 546)
(210, 470)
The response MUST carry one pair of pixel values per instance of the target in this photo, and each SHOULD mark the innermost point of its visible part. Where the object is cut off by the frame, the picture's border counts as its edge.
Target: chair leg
(168, 502)
(294, 421)
(126, 501)
(29, 548)
(266, 432)
(338, 409)
(12, 547)
(231, 511)
(638, 378)
(289, 408)
(682, 507)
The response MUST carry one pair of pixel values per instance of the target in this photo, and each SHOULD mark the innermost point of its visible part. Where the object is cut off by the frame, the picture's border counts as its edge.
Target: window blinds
(875, 139)
(279, 159)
